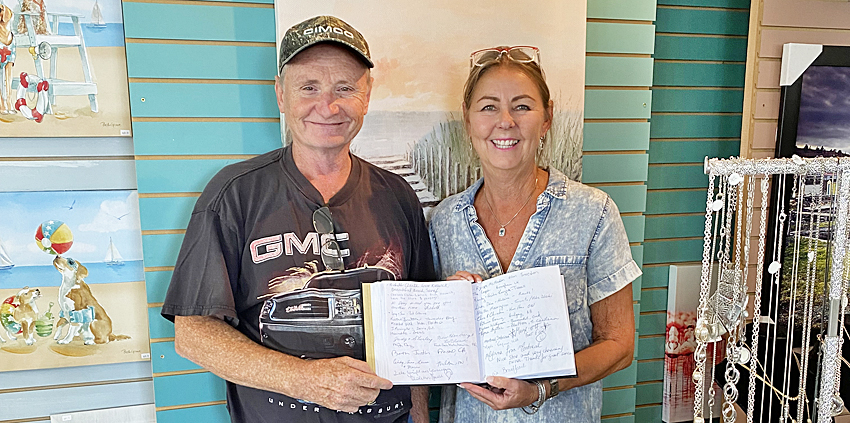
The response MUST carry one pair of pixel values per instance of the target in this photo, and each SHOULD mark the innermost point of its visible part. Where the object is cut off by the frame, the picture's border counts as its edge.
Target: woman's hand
(465, 276)
(504, 393)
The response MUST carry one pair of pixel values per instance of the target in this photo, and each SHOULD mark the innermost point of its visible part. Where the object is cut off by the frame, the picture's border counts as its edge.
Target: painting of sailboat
(5, 261)
(113, 257)
(97, 22)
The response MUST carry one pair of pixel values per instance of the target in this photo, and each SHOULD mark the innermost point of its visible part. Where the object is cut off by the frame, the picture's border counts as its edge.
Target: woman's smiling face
(506, 118)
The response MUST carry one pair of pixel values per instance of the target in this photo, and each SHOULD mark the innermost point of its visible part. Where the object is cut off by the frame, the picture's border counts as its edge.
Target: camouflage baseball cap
(322, 29)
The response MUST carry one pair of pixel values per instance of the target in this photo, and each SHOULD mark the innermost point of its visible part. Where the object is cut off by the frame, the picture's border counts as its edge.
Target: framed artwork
(72, 288)
(421, 52)
(63, 70)
(814, 121)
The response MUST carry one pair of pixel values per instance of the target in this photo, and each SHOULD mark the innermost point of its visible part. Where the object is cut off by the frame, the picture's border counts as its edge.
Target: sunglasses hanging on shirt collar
(324, 225)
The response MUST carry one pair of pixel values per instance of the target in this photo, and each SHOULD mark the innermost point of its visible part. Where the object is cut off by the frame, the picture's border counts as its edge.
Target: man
(265, 293)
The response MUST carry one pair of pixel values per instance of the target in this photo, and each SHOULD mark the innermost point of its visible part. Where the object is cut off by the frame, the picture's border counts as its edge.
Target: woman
(493, 227)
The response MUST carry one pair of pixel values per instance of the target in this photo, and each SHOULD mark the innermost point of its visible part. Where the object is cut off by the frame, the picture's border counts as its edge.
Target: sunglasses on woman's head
(519, 54)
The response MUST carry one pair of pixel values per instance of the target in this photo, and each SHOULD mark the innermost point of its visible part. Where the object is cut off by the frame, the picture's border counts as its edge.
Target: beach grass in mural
(421, 53)
(74, 65)
(74, 256)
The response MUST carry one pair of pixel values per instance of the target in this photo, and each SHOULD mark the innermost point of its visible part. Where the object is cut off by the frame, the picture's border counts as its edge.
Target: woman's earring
(540, 147)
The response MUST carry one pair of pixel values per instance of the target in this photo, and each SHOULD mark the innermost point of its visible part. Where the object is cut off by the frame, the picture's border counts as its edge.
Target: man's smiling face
(324, 95)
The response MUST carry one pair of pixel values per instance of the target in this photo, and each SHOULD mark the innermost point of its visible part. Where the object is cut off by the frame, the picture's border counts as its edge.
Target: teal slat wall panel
(161, 250)
(662, 202)
(674, 226)
(673, 251)
(613, 136)
(201, 61)
(700, 48)
(636, 309)
(695, 126)
(634, 227)
(198, 22)
(165, 359)
(176, 138)
(651, 324)
(629, 167)
(172, 390)
(38, 378)
(643, 10)
(165, 176)
(656, 276)
(653, 300)
(649, 393)
(619, 419)
(617, 104)
(637, 254)
(28, 405)
(728, 4)
(648, 414)
(685, 176)
(618, 71)
(625, 377)
(691, 151)
(156, 284)
(702, 21)
(651, 347)
(618, 401)
(650, 370)
(681, 74)
(698, 101)
(165, 212)
(604, 37)
(160, 327)
(628, 198)
(203, 100)
(206, 414)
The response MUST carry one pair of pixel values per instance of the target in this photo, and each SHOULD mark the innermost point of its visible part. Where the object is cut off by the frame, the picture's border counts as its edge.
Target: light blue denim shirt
(576, 227)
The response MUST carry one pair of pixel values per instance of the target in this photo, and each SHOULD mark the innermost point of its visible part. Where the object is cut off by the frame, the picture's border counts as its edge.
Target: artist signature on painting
(109, 124)
(126, 351)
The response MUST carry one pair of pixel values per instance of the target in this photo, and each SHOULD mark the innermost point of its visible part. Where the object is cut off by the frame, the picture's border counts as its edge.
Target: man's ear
(278, 91)
(369, 93)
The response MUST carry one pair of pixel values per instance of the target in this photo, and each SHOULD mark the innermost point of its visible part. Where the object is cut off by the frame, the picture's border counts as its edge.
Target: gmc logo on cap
(320, 29)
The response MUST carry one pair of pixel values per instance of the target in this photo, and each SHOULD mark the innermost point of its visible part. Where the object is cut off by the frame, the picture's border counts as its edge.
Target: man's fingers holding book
(344, 383)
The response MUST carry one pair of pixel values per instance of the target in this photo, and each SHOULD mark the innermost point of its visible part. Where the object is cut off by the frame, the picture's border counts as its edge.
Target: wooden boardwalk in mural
(404, 168)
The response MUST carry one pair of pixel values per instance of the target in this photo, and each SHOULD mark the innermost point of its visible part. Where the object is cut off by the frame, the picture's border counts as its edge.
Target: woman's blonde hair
(530, 69)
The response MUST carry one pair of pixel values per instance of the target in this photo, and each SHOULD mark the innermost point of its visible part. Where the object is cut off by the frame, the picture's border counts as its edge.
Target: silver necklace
(502, 226)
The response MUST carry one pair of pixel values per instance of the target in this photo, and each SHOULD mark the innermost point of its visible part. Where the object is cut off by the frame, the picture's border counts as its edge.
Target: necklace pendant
(502, 231)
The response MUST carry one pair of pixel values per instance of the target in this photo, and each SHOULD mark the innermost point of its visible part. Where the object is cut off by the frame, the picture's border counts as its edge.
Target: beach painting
(421, 52)
(63, 69)
(72, 288)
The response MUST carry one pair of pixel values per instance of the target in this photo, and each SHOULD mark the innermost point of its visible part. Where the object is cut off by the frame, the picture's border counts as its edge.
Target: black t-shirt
(251, 256)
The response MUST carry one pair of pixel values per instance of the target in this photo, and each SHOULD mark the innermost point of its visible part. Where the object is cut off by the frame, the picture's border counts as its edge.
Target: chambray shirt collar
(556, 188)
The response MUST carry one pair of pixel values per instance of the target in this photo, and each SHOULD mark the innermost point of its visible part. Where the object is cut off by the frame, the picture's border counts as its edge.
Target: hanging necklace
(502, 226)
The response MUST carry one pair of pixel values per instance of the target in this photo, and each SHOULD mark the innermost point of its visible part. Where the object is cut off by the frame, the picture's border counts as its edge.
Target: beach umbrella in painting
(54, 237)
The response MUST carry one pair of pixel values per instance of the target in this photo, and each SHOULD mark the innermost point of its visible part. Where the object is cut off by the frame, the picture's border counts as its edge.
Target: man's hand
(341, 383)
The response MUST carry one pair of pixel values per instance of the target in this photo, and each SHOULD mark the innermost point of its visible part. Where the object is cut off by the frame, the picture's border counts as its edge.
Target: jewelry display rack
(813, 229)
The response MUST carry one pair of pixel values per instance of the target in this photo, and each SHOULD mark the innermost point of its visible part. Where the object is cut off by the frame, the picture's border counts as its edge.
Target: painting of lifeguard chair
(68, 70)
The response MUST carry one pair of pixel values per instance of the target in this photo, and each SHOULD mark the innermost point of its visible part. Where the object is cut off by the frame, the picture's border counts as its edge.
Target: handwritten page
(523, 324)
(427, 334)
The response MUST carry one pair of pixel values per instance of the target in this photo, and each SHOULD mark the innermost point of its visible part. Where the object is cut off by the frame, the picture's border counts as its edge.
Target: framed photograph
(814, 121)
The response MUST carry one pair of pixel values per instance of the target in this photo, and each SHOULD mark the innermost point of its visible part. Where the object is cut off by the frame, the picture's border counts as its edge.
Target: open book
(515, 325)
